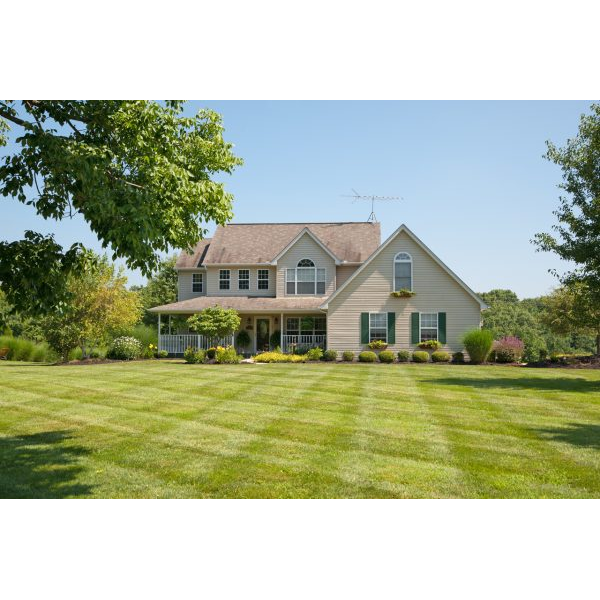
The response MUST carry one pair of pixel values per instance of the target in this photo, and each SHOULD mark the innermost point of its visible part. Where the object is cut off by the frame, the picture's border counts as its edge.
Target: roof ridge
(306, 223)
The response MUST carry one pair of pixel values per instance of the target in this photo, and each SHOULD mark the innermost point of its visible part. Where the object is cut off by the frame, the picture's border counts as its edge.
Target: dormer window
(403, 271)
(306, 279)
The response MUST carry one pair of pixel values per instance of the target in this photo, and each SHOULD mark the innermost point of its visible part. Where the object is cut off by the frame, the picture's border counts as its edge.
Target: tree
(101, 306)
(577, 236)
(573, 308)
(215, 322)
(160, 289)
(140, 173)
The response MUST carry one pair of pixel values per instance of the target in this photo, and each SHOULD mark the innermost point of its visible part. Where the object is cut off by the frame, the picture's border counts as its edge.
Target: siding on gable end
(184, 285)
(306, 247)
(436, 291)
(213, 282)
(342, 273)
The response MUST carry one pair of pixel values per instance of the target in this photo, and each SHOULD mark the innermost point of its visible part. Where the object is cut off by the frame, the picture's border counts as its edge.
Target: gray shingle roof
(254, 243)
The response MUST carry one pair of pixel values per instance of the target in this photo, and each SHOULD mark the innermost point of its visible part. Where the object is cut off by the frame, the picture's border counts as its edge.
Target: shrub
(162, 354)
(440, 356)
(420, 357)
(458, 358)
(26, 350)
(377, 345)
(276, 357)
(275, 339)
(227, 356)
(95, 353)
(211, 353)
(430, 345)
(146, 334)
(347, 356)
(149, 351)
(193, 356)
(125, 348)
(387, 356)
(77, 354)
(314, 354)
(330, 355)
(478, 343)
(367, 356)
(403, 356)
(508, 349)
(243, 339)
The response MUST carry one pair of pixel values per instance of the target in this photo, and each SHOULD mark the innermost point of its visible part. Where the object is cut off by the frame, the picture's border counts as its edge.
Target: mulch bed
(581, 362)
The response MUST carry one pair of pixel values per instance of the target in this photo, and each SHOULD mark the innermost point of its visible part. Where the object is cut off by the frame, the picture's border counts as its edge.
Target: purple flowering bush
(508, 349)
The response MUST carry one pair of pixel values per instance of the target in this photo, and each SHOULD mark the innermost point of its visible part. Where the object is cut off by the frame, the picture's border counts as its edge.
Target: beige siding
(343, 272)
(306, 247)
(436, 291)
(213, 282)
(184, 285)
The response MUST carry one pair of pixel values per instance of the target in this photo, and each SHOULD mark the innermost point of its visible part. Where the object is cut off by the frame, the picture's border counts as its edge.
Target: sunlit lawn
(167, 429)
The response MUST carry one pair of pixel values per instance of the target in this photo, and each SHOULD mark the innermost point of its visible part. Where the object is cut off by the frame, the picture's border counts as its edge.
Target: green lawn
(167, 429)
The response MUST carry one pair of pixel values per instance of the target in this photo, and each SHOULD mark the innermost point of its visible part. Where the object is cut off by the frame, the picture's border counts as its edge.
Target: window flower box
(403, 293)
(377, 345)
(430, 345)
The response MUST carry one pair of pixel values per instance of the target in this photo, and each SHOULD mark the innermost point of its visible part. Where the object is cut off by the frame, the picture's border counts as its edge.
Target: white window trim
(258, 279)
(295, 280)
(411, 269)
(386, 330)
(228, 279)
(437, 325)
(248, 280)
(201, 275)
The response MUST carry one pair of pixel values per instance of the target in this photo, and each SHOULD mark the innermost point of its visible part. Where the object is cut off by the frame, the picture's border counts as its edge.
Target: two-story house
(325, 284)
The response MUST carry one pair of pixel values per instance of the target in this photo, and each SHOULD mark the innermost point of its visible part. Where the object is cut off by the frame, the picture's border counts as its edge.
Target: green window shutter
(391, 338)
(364, 328)
(415, 333)
(442, 327)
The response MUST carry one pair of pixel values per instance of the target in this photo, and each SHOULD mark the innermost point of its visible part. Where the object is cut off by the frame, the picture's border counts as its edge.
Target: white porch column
(170, 333)
(159, 346)
(281, 332)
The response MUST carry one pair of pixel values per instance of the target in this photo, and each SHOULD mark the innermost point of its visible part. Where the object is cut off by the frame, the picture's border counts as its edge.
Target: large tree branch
(6, 113)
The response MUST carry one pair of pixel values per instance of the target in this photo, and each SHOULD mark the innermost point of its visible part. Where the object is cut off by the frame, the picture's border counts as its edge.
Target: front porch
(290, 332)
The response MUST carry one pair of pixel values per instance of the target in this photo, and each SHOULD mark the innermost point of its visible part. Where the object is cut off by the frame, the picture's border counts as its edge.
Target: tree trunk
(598, 343)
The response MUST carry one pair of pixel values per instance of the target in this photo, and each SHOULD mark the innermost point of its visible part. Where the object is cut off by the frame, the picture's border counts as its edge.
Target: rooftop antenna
(372, 218)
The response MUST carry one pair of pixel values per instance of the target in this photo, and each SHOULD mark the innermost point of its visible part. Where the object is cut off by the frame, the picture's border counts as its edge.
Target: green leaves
(215, 322)
(139, 172)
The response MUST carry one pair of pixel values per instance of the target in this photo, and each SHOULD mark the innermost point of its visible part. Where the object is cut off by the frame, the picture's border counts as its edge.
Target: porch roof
(245, 304)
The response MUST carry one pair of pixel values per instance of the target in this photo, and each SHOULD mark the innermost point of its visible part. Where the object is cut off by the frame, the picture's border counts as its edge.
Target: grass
(167, 429)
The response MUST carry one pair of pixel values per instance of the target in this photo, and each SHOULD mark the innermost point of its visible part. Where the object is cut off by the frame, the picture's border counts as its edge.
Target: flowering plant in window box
(430, 345)
(377, 345)
(403, 293)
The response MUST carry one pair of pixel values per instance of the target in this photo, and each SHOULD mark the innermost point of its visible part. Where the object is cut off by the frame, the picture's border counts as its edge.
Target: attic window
(403, 271)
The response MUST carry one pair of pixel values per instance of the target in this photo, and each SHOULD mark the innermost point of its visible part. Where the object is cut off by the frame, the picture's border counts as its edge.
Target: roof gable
(307, 231)
(414, 238)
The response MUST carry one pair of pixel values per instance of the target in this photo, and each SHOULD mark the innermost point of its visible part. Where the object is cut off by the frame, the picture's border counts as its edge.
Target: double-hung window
(403, 271)
(378, 327)
(243, 279)
(197, 283)
(224, 279)
(429, 326)
(263, 279)
(305, 279)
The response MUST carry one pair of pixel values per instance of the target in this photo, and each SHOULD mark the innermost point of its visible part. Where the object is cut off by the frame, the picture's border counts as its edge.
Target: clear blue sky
(475, 187)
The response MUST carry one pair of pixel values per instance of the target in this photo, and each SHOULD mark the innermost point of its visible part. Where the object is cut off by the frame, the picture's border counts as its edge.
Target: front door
(262, 335)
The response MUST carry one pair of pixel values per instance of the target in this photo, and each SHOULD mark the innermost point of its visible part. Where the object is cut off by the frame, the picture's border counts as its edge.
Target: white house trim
(306, 230)
(404, 228)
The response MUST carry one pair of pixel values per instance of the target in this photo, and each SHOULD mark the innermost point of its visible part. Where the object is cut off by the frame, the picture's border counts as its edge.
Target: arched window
(403, 271)
(305, 279)
(306, 262)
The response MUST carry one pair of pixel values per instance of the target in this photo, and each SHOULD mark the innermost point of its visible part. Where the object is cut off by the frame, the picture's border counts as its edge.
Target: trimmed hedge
(347, 356)
(367, 356)
(386, 356)
(330, 355)
(420, 357)
(403, 356)
(440, 356)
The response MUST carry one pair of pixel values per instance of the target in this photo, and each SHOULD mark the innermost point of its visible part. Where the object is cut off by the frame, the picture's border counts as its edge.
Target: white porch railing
(177, 344)
(303, 341)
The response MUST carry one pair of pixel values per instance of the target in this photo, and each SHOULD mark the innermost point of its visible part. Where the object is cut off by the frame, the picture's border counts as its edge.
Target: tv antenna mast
(372, 218)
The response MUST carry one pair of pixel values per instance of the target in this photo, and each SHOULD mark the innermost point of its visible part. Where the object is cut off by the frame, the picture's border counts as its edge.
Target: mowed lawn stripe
(166, 429)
